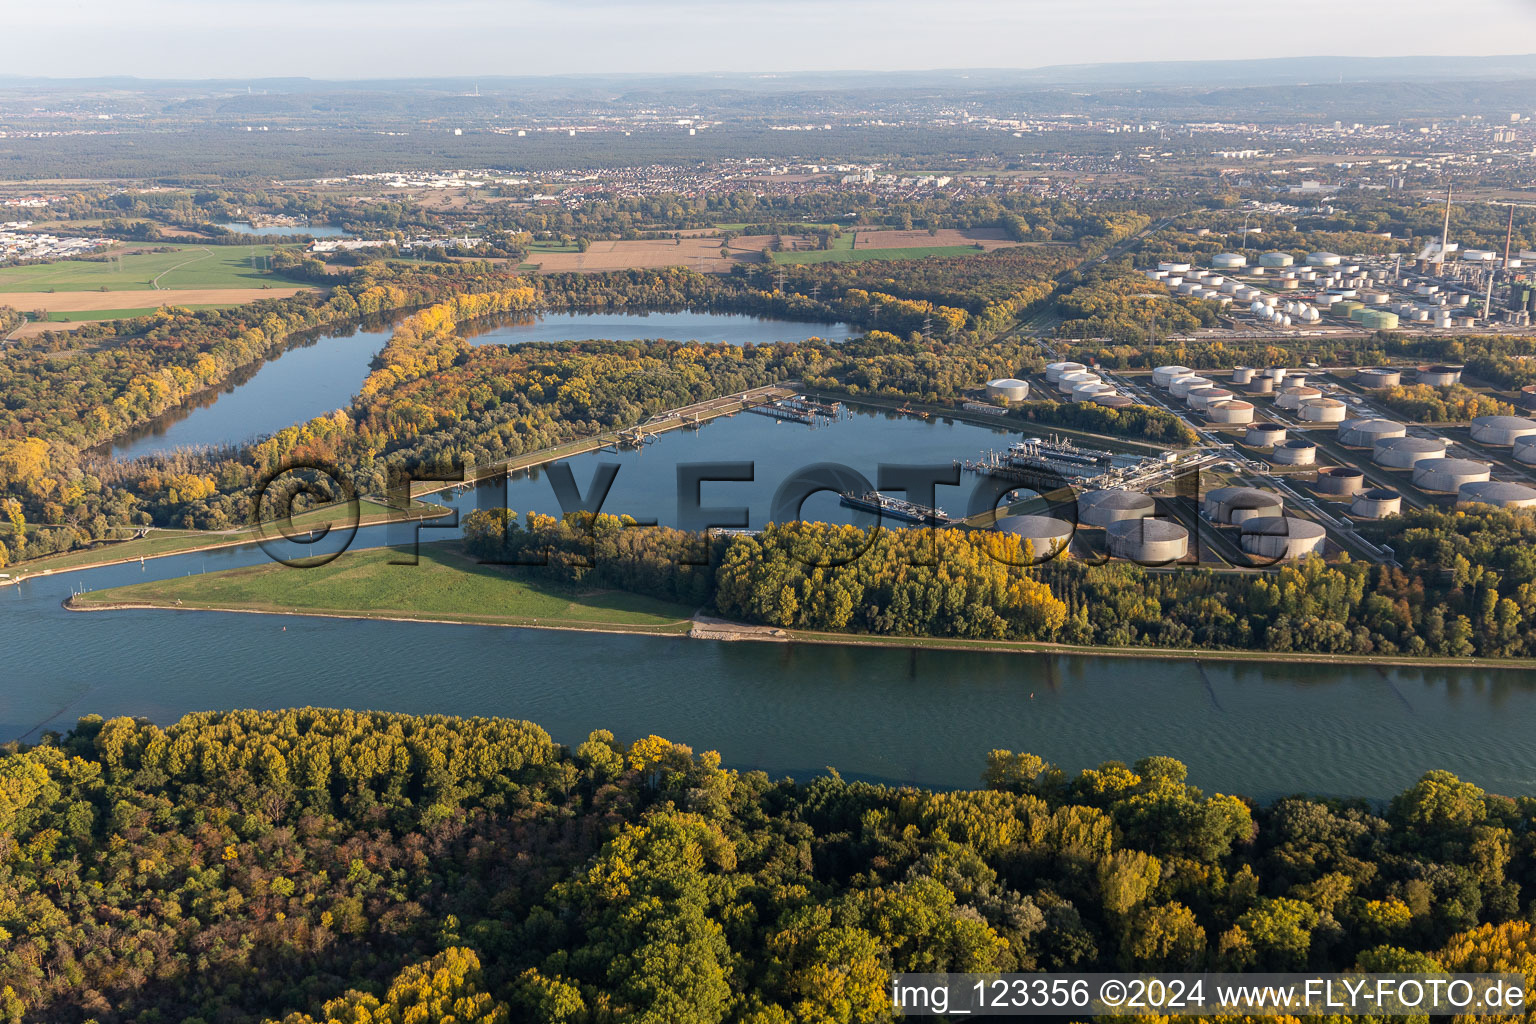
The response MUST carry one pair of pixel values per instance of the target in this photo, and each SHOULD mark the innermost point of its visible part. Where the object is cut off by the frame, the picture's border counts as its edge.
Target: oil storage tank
(1204, 398)
(1282, 537)
(1365, 433)
(1441, 375)
(1339, 481)
(1525, 451)
(1407, 452)
(1229, 413)
(1242, 375)
(1067, 381)
(1182, 386)
(1496, 493)
(1112, 505)
(1322, 410)
(1502, 431)
(1446, 476)
(1112, 400)
(1148, 541)
(1264, 435)
(1291, 398)
(1528, 398)
(1163, 376)
(1054, 371)
(1261, 386)
(1231, 505)
(1048, 536)
(1374, 378)
(1295, 452)
(1009, 389)
(1377, 503)
(1091, 391)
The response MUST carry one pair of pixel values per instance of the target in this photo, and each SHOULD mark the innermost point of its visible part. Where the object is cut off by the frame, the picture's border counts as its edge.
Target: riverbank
(455, 589)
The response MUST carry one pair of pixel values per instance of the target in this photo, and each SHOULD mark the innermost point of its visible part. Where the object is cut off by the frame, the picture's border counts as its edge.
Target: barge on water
(895, 508)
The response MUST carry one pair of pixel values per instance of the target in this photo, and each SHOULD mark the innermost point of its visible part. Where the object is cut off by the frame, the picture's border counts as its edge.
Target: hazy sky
(402, 38)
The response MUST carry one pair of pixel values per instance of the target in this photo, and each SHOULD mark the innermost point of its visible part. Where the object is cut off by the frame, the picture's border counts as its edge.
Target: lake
(731, 328)
(312, 230)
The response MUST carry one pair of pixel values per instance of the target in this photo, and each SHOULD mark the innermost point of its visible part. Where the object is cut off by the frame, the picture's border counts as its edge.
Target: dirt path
(196, 259)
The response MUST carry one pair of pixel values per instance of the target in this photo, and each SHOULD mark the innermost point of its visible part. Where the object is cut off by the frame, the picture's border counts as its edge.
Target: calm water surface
(312, 230)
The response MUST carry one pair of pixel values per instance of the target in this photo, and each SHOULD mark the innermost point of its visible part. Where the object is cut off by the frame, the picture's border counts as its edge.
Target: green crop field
(122, 314)
(193, 266)
(446, 585)
(851, 255)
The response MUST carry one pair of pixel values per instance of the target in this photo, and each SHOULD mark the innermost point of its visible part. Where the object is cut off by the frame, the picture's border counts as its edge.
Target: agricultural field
(860, 255)
(182, 267)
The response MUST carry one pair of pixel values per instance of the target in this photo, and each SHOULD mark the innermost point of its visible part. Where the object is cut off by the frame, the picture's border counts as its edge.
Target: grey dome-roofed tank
(1148, 541)
(1525, 451)
(1446, 476)
(1282, 537)
(1231, 505)
(1497, 493)
(1298, 451)
(1365, 433)
(1048, 536)
(1112, 505)
(1339, 480)
(1502, 431)
(1407, 452)
(1377, 503)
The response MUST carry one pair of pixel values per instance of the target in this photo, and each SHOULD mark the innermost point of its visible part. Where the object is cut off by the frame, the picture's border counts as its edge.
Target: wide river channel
(1261, 729)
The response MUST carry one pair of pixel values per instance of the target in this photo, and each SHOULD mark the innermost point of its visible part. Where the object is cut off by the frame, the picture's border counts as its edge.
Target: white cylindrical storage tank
(1324, 259)
(1322, 410)
(1296, 380)
(1441, 376)
(1067, 381)
(1242, 375)
(1112, 400)
(1496, 493)
(1229, 261)
(1407, 452)
(1339, 481)
(1148, 541)
(1528, 398)
(1112, 505)
(1446, 476)
(1295, 452)
(1525, 451)
(1048, 537)
(1291, 398)
(1265, 435)
(1502, 431)
(1230, 413)
(1377, 503)
(1261, 386)
(1276, 260)
(1204, 398)
(1182, 386)
(1165, 375)
(1174, 268)
(1378, 377)
(1282, 537)
(1009, 389)
(1232, 505)
(1054, 371)
(1365, 433)
(1090, 391)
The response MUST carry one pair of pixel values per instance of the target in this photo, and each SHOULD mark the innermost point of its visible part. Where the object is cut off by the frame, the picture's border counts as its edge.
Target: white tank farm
(1502, 430)
(1365, 433)
(1165, 375)
(1204, 398)
(1282, 537)
(1264, 435)
(1112, 505)
(1496, 493)
(1295, 452)
(1377, 503)
(1373, 378)
(1232, 505)
(1181, 387)
(1407, 452)
(1054, 371)
(1440, 376)
(1230, 413)
(1048, 536)
(1067, 381)
(1339, 481)
(1525, 451)
(1148, 541)
(1009, 389)
(1446, 476)
(1291, 398)
(1322, 410)
(1242, 375)
(1090, 391)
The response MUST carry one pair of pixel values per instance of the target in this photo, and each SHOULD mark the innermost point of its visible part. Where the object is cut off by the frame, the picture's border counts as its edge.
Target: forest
(316, 865)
